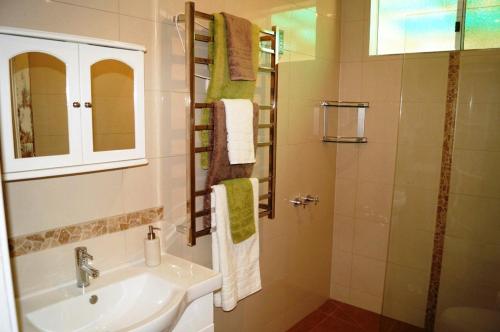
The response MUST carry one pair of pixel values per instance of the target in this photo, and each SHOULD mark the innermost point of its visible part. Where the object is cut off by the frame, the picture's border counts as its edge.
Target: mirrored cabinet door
(113, 106)
(40, 119)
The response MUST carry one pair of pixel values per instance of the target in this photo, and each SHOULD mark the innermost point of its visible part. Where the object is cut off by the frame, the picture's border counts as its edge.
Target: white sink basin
(132, 298)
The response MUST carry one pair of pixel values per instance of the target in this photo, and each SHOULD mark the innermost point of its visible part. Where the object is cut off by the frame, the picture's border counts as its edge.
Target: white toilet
(468, 319)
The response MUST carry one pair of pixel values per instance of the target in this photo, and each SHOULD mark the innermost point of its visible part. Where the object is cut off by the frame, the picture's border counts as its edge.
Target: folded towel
(240, 48)
(220, 168)
(238, 263)
(240, 205)
(239, 125)
(221, 85)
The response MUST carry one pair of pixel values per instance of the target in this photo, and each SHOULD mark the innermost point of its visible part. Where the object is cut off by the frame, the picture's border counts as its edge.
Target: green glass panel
(413, 26)
(482, 24)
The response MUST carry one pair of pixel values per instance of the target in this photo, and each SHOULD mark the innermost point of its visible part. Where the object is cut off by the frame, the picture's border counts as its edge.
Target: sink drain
(93, 299)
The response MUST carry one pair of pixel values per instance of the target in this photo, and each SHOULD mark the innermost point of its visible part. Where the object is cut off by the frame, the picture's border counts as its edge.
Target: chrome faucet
(83, 269)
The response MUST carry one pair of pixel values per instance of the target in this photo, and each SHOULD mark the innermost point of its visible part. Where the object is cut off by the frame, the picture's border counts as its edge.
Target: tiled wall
(295, 247)
(365, 172)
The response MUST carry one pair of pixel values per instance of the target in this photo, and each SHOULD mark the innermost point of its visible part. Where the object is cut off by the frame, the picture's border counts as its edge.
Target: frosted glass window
(482, 24)
(403, 26)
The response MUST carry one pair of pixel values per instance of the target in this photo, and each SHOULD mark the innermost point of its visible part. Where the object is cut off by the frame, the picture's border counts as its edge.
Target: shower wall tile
(60, 17)
(368, 275)
(377, 162)
(371, 239)
(106, 5)
(352, 47)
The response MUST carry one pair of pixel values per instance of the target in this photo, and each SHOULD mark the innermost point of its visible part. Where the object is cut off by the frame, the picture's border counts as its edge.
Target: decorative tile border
(444, 189)
(27, 244)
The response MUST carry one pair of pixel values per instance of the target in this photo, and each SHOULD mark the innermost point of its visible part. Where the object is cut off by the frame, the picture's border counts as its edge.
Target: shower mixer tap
(310, 199)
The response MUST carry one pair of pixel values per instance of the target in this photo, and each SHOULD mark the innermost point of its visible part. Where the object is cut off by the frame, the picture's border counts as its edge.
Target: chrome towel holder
(361, 108)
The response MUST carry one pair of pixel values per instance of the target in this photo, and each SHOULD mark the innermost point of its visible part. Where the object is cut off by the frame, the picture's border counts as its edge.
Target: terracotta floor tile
(333, 324)
(334, 316)
(309, 322)
(328, 307)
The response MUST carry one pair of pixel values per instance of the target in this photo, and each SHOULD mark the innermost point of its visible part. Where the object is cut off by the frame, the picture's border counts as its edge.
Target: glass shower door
(469, 285)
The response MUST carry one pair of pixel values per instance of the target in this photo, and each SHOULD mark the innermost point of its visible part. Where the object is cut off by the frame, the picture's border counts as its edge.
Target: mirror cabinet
(69, 104)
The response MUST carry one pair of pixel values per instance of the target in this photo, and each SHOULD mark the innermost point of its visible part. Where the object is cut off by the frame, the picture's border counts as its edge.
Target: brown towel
(239, 48)
(220, 169)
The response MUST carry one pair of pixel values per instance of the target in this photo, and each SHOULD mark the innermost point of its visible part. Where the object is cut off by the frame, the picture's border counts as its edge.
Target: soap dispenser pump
(152, 249)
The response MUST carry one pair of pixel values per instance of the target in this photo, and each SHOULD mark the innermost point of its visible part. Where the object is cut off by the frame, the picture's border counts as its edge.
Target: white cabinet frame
(65, 52)
(90, 55)
(78, 54)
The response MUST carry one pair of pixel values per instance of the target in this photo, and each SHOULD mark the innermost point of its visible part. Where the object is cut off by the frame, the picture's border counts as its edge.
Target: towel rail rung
(210, 147)
(206, 61)
(264, 196)
(203, 105)
(211, 127)
(266, 50)
(263, 214)
(203, 61)
(203, 15)
(203, 38)
(264, 144)
(204, 231)
(202, 213)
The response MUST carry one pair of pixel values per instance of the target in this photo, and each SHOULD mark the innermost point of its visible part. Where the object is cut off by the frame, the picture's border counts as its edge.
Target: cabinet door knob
(76, 104)
(88, 104)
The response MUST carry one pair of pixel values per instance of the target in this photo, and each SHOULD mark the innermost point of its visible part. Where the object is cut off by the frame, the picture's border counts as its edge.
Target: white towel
(239, 124)
(238, 263)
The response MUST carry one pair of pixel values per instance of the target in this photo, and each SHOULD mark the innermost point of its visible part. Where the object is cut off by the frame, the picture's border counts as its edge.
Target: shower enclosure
(443, 271)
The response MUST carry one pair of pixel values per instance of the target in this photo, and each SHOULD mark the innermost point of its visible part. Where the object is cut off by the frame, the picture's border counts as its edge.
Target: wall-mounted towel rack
(360, 137)
(271, 39)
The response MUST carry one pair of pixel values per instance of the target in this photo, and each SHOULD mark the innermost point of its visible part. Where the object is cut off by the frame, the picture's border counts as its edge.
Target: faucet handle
(82, 253)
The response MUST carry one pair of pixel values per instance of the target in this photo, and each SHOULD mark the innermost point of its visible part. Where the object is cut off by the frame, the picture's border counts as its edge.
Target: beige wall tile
(341, 268)
(373, 201)
(106, 5)
(354, 9)
(476, 126)
(382, 81)
(366, 301)
(347, 161)
(351, 49)
(343, 233)
(476, 173)
(146, 9)
(59, 17)
(368, 275)
(351, 78)
(377, 162)
(141, 188)
(345, 197)
(371, 239)
(41, 204)
(56, 266)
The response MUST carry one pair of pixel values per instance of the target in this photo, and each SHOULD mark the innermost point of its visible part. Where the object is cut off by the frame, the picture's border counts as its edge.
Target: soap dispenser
(152, 249)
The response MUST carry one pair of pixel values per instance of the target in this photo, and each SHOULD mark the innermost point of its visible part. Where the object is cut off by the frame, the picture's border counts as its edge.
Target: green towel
(240, 205)
(220, 85)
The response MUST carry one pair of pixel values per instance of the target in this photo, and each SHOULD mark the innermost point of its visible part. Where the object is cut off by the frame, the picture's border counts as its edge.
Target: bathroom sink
(132, 298)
